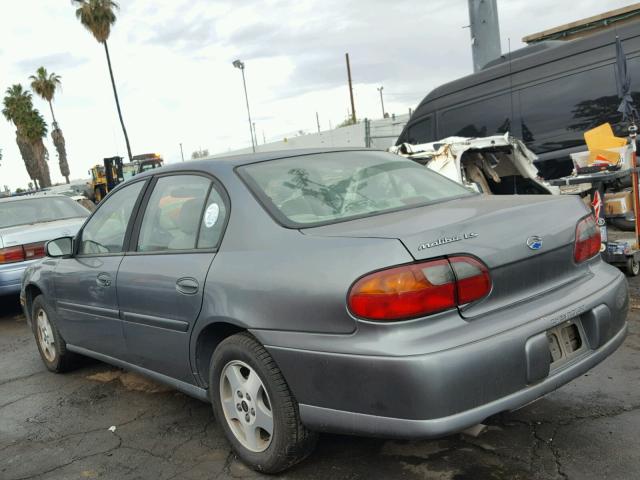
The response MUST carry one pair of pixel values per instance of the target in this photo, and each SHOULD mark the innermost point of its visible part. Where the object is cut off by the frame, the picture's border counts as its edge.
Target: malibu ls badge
(534, 243)
(445, 240)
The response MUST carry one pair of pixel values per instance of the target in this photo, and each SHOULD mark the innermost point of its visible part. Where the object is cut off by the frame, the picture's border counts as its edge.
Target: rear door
(85, 284)
(161, 279)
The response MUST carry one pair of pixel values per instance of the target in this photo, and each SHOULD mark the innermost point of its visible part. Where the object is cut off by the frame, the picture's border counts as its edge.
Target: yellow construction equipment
(112, 172)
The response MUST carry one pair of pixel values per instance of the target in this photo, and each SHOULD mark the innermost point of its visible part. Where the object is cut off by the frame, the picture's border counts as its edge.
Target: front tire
(51, 345)
(255, 407)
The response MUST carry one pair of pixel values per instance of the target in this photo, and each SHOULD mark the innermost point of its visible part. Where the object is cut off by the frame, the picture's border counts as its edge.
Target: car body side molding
(153, 321)
(88, 309)
(186, 388)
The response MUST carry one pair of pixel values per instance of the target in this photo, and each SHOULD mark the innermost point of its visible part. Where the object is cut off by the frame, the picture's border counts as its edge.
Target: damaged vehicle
(498, 165)
(349, 291)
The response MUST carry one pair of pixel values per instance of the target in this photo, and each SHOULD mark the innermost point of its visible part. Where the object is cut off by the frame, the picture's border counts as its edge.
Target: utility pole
(240, 65)
(381, 100)
(353, 106)
(485, 32)
(264, 139)
(318, 121)
(255, 136)
(181, 152)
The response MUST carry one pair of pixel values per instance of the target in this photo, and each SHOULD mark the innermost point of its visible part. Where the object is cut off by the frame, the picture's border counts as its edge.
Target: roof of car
(248, 158)
(230, 162)
(30, 196)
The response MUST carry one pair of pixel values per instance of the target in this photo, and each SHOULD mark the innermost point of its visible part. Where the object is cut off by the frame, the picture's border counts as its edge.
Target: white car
(26, 224)
(499, 165)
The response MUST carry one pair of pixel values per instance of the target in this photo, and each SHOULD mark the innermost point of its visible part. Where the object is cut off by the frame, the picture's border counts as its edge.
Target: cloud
(53, 62)
(183, 36)
(172, 63)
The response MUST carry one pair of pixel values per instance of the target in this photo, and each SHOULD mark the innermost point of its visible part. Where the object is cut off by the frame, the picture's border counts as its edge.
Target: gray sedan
(350, 291)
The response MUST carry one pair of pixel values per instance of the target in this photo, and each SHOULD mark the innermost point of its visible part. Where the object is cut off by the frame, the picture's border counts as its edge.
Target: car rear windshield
(38, 210)
(324, 188)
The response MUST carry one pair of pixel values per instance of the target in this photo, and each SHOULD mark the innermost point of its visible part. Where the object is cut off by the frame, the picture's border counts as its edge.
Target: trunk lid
(39, 232)
(494, 229)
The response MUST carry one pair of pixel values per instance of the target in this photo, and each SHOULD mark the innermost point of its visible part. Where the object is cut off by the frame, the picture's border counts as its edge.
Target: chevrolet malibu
(349, 291)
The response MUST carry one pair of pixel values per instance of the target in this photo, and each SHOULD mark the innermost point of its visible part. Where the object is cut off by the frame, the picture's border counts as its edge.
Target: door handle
(103, 280)
(187, 285)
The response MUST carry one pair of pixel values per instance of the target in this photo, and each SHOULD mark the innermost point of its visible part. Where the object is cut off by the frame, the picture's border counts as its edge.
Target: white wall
(383, 132)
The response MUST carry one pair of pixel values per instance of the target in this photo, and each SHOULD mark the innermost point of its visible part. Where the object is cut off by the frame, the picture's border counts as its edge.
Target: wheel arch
(31, 291)
(206, 341)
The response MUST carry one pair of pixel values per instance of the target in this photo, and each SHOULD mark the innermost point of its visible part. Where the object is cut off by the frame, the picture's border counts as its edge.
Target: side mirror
(60, 247)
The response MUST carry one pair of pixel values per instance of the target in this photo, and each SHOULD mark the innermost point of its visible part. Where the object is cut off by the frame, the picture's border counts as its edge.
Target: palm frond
(45, 84)
(97, 16)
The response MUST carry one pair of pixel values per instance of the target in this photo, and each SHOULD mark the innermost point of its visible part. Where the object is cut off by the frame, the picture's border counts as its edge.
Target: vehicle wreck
(498, 165)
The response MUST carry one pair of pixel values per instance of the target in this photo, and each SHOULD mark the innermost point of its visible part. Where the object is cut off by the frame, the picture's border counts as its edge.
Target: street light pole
(381, 99)
(240, 65)
(181, 152)
(353, 105)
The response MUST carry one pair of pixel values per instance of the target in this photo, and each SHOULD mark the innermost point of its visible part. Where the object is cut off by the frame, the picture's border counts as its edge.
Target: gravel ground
(57, 427)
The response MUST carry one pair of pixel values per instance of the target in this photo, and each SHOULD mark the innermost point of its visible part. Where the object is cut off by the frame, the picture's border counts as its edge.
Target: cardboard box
(617, 204)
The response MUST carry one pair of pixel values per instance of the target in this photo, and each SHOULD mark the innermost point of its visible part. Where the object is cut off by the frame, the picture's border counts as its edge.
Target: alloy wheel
(45, 336)
(246, 406)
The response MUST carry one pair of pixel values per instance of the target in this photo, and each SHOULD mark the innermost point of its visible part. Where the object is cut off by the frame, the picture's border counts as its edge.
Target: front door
(161, 281)
(85, 284)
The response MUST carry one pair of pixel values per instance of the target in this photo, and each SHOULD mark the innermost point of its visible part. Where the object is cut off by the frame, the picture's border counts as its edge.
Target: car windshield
(325, 188)
(38, 210)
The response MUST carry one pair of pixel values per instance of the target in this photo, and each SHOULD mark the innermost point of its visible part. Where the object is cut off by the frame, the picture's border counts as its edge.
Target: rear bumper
(445, 390)
(337, 421)
(11, 277)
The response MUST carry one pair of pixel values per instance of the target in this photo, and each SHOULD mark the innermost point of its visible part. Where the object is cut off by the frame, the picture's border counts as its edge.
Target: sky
(172, 62)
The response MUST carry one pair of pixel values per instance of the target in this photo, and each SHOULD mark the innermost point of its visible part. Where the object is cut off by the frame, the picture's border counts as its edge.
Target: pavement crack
(72, 461)
(554, 451)
(27, 396)
(24, 377)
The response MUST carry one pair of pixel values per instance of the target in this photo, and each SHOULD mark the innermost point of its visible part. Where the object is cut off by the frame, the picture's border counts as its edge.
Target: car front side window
(104, 233)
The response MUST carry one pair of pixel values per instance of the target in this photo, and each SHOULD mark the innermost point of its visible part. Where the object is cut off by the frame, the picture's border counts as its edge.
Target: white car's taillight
(21, 253)
(587, 239)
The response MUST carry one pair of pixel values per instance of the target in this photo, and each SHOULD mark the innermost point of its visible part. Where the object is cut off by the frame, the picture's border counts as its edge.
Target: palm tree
(30, 130)
(45, 85)
(98, 16)
(33, 128)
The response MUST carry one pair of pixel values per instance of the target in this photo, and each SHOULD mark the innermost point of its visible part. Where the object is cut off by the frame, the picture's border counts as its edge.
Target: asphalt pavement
(102, 422)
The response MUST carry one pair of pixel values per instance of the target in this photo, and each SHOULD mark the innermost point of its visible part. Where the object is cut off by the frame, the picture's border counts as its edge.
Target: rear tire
(247, 389)
(99, 193)
(51, 345)
(632, 267)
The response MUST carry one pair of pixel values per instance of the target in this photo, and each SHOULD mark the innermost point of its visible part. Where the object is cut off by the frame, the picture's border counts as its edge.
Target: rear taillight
(11, 254)
(20, 253)
(587, 239)
(420, 289)
(33, 250)
(472, 279)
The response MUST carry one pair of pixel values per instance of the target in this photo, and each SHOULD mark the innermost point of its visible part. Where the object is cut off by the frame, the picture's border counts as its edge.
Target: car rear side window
(213, 220)
(174, 212)
(318, 189)
(105, 231)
